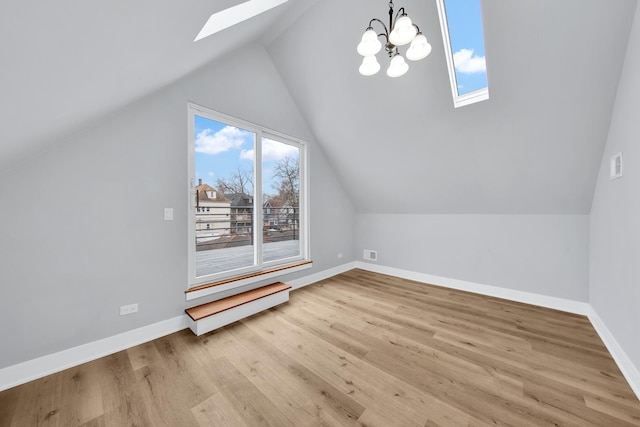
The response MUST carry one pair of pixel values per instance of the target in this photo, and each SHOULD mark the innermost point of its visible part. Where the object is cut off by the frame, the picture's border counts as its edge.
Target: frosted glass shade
(419, 48)
(403, 31)
(369, 45)
(398, 67)
(369, 66)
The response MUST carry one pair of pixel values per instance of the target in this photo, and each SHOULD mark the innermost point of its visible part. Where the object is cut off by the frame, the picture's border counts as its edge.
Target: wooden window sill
(246, 279)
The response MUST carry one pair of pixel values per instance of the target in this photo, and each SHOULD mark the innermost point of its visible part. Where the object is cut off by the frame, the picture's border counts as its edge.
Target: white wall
(541, 254)
(615, 215)
(81, 225)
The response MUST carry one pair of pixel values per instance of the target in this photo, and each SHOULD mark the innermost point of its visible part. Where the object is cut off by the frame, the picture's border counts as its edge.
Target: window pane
(281, 200)
(225, 211)
(464, 19)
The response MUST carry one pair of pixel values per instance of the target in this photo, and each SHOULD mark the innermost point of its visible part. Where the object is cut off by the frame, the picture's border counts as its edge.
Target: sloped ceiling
(66, 63)
(399, 146)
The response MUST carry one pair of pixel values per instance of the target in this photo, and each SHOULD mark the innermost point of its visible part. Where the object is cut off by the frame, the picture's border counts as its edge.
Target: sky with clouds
(221, 149)
(464, 19)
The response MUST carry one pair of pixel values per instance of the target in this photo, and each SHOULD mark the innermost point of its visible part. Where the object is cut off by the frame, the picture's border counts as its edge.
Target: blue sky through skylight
(464, 19)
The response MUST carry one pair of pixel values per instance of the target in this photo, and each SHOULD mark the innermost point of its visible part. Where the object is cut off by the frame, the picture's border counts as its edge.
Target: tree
(240, 182)
(287, 174)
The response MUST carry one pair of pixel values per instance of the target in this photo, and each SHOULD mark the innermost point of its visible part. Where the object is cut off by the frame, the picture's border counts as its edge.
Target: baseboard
(555, 303)
(46, 365)
(321, 275)
(628, 369)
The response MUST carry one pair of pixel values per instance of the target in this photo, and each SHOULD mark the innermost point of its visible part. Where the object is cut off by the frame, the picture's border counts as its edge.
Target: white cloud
(225, 139)
(247, 154)
(271, 150)
(468, 63)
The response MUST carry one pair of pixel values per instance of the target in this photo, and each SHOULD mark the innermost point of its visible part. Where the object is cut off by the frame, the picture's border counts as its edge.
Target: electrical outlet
(339, 255)
(128, 309)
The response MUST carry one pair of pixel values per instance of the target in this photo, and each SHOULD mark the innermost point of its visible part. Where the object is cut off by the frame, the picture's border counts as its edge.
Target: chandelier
(403, 32)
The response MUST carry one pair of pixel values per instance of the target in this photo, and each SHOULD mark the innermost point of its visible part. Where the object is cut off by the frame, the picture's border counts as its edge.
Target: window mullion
(257, 199)
(303, 212)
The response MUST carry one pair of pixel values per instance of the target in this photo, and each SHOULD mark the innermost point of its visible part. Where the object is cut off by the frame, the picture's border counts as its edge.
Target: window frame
(467, 98)
(261, 266)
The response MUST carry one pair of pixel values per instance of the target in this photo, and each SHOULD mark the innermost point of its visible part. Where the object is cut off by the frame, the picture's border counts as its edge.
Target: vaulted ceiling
(398, 145)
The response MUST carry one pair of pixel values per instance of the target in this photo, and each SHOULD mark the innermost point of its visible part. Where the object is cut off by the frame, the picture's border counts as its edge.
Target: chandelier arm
(398, 14)
(386, 32)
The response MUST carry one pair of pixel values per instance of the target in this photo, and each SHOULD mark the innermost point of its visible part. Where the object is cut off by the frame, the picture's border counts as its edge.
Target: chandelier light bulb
(369, 45)
(369, 66)
(420, 48)
(398, 66)
(403, 31)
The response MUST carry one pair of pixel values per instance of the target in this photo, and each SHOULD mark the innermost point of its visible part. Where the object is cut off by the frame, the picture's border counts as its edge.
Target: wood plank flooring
(357, 349)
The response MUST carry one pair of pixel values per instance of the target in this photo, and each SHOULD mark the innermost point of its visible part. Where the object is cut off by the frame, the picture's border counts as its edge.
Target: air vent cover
(369, 255)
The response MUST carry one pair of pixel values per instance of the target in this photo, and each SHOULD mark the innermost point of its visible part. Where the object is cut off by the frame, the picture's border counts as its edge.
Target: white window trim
(261, 132)
(467, 98)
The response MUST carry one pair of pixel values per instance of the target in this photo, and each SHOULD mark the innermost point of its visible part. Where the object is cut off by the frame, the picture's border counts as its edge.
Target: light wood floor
(358, 349)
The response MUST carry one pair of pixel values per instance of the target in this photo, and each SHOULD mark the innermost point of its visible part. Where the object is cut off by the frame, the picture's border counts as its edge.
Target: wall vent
(615, 166)
(369, 255)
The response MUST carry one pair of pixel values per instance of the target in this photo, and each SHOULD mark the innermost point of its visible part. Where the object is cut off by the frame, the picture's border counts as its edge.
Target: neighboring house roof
(240, 199)
(276, 202)
(204, 192)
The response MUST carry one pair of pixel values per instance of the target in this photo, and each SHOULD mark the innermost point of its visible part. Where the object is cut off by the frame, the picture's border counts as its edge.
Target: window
(461, 23)
(252, 183)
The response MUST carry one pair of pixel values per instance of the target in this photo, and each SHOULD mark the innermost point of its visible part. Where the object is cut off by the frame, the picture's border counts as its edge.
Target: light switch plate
(168, 214)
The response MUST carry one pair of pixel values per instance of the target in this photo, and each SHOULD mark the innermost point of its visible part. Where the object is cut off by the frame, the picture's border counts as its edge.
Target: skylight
(234, 15)
(461, 23)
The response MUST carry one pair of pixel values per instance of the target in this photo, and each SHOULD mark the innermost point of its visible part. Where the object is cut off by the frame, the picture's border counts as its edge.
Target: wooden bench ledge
(209, 309)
